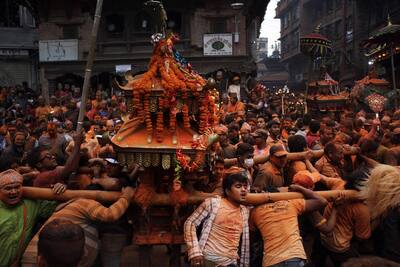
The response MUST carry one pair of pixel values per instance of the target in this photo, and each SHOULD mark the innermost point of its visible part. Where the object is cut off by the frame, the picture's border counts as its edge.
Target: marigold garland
(177, 79)
(149, 125)
(172, 120)
(190, 165)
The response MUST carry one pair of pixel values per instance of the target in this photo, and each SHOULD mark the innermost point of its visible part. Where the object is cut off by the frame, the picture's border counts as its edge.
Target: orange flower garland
(186, 119)
(149, 125)
(176, 80)
(185, 111)
(190, 165)
(172, 120)
(160, 121)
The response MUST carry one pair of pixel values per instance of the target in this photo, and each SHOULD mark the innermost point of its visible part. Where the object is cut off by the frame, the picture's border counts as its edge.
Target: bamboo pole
(165, 200)
(310, 67)
(89, 63)
(262, 198)
(392, 51)
(45, 86)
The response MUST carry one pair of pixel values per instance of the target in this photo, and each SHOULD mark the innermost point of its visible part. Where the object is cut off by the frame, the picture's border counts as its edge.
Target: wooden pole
(89, 63)
(165, 200)
(307, 84)
(262, 198)
(45, 86)
(392, 48)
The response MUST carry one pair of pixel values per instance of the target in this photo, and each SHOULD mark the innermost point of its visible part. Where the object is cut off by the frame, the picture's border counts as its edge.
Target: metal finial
(389, 20)
(317, 28)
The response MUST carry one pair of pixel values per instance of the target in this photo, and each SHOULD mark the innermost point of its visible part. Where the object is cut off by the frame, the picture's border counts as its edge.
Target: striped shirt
(206, 214)
(86, 212)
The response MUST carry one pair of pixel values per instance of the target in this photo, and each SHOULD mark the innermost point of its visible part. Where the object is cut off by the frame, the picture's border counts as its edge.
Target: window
(261, 45)
(26, 18)
(70, 32)
(349, 30)
(284, 44)
(295, 13)
(317, 10)
(337, 59)
(338, 4)
(328, 30)
(174, 22)
(337, 31)
(9, 13)
(218, 25)
(286, 21)
(296, 39)
(349, 23)
(329, 6)
(115, 24)
(143, 23)
(349, 57)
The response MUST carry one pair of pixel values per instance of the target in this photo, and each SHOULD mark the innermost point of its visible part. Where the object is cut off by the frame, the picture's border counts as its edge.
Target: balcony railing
(133, 48)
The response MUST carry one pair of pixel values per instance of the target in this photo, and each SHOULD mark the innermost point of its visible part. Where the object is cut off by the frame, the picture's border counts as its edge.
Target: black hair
(34, 156)
(37, 132)
(369, 146)
(244, 148)
(229, 118)
(297, 143)
(231, 179)
(61, 243)
(314, 126)
(356, 179)
(262, 117)
(86, 125)
(395, 139)
(299, 123)
(307, 119)
(330, 148)
(233, 126)
(272, 123)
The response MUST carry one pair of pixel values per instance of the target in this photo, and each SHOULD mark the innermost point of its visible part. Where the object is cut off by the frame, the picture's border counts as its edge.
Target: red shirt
(312, 139)
(48, 178)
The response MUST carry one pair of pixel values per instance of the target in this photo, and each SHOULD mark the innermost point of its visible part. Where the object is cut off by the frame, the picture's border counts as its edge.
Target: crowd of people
(260, 148)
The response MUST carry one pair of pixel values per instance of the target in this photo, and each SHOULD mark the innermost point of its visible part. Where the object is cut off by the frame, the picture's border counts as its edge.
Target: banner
(122, 68)
(218, 44)
(58, 50)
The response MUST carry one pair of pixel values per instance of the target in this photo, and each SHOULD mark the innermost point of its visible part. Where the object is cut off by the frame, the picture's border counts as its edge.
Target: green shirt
(12, 224)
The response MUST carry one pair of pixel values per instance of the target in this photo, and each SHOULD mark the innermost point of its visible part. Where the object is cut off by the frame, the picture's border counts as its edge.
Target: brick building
(345, 22)
(125, 30)
(18, 45)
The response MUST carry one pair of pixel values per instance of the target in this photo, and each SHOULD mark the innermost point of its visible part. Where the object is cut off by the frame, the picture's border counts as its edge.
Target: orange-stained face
(286, 124)
(237, 193)
(52, 129)
(219, 170)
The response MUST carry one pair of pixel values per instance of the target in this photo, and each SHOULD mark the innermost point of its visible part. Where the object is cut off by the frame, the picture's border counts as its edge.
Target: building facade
(345, 22)
(126, 27)
(18, 45)
(262, 48)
